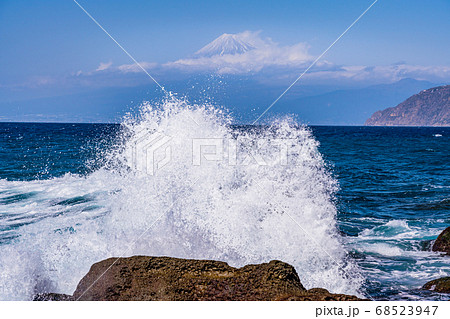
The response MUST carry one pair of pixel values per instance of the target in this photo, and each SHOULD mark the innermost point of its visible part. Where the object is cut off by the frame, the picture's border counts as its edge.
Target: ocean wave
(239, 209)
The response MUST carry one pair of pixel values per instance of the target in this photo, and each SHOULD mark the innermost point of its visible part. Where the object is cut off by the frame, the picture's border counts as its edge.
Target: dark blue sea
(357, 213)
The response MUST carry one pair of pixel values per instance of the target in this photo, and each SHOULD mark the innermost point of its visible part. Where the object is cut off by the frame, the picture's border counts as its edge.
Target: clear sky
(43, 41)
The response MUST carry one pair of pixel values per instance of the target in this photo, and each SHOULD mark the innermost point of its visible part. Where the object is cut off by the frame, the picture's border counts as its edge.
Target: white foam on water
(241, 212)
(390, 230)
(394, 255)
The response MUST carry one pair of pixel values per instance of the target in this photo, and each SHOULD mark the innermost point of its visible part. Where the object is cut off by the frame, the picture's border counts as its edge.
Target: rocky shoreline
(442, 244)
(171, 279)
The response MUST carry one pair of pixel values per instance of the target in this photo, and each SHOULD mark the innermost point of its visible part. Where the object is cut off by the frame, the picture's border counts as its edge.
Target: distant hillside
(428, 108)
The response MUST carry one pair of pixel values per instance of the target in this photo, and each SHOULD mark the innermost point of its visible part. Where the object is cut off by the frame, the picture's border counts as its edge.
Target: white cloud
(124, 68)
(419, 72)
(252, 53)
(389, 73)
(104, 66)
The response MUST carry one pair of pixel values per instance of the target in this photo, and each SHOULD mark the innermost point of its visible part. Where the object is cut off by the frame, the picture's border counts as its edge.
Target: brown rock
(52, 297)
(165, 278)
(441, 285)
(442, 243)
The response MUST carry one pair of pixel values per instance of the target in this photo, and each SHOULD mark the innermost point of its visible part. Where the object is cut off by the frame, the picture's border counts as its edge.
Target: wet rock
(165, 278)
(52, 297)
(442, 243)
(441, 285)
(320, 294)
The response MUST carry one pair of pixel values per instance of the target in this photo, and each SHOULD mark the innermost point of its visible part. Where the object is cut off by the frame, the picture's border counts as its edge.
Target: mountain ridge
(429, 107)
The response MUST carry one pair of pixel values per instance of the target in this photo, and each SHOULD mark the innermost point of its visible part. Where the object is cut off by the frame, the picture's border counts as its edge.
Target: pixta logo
(262, 152)
(151, 151)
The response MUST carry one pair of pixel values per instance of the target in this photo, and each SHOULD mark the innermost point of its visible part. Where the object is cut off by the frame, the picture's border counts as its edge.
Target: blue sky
(46, 41)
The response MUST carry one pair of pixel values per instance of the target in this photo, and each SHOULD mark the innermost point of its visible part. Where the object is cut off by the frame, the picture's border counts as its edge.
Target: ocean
(354, 209)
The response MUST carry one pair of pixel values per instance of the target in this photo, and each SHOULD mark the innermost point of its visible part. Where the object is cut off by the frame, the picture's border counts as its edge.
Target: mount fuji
(243, 53)
(226, 44)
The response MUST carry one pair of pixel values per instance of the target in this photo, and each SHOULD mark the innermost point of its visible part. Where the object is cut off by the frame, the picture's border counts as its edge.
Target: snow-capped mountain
(244, 52)
(225, 44)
